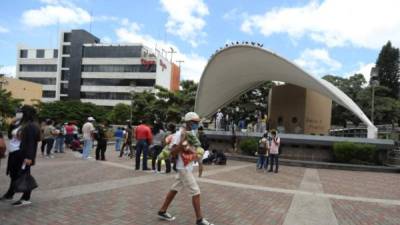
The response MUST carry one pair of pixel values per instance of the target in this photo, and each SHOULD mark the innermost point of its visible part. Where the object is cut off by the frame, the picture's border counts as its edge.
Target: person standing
(184, 178)
(25, 136)
(158, 134)
(118, 134)
(88, 132)
(127, 141)
(60, 138)
(101, 143)
(49, 133)
(144, 139)
(69, 134)
(274, 151)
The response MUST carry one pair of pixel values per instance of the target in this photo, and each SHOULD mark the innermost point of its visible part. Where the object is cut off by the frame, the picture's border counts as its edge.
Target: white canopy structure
(239, 68)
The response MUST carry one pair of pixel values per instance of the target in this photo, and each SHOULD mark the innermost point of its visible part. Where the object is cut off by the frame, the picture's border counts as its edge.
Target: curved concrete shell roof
(236, 69)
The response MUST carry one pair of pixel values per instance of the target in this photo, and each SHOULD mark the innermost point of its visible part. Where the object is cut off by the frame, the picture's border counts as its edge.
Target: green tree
(119, 114)
(388, 68)
(62, 111)
(351, 86)
(387, 109)
(8, 105)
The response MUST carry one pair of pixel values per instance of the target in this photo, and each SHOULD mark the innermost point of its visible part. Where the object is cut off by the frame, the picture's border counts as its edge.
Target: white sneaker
(21, 203)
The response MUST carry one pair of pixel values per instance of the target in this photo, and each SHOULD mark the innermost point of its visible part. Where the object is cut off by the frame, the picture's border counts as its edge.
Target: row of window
(118, 82)
(41, 80)
(106, 95)
(48, 94)
(39, 53)
(37, 68)
(119, 68)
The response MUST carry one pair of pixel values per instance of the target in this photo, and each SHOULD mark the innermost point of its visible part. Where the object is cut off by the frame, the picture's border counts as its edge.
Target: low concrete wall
(298, 147)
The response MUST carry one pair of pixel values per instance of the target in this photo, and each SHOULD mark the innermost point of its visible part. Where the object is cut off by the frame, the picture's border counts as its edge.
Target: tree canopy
(388, 68)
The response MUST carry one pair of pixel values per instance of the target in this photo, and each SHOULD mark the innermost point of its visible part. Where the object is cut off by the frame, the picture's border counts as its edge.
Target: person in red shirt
(144, 138)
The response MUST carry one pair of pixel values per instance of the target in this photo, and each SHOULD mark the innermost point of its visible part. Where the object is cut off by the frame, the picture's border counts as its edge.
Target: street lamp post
(130, 118)
(373, 82)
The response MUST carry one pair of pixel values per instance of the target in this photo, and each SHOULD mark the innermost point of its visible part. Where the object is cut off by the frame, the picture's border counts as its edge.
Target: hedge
(248, 146)
(348, 152)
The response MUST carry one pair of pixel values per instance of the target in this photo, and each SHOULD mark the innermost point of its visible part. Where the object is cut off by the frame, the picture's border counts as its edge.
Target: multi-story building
(104, 74)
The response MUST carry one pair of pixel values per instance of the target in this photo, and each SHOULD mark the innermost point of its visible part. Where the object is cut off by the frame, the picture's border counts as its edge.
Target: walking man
(101, 142)
(144, 139)
(184, 166)
(88, 131)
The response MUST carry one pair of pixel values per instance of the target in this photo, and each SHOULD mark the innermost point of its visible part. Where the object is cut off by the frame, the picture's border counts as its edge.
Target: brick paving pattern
(133, 197)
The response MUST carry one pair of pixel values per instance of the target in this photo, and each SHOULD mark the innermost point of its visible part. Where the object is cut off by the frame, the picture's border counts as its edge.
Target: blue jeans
(60, 144)
(260, 161)
(118, 144)
(87, 148)
(141, 146)
(274, 158)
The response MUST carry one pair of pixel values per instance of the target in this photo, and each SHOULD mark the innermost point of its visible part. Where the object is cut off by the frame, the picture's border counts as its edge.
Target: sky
(337, 37)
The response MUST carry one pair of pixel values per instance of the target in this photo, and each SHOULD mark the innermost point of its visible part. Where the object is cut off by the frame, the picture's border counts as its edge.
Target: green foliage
(348, 152)
(248, 146)
(8, 105)
(164, 105)
(250, 102)
(388, 69)
(62, 111)
(119, 114)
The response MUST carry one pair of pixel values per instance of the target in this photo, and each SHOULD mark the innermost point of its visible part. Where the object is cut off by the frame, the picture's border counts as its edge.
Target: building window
(118, 82)
(152, 68)
(48, 94)
(66, 50)
(55, 53)
(41, 80)
(106, 95)
(65, 75)
(67, 37)
(40, 53)
(37, 68)
(64, 88)
(65, 62)
(23, 53)
(112, 52)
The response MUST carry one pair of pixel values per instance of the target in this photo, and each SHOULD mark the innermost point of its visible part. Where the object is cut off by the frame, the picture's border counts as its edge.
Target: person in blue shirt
(119, 134)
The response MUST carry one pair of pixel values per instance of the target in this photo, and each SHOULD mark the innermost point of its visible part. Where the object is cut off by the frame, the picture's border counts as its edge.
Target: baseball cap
(90, 118)
(192, 116)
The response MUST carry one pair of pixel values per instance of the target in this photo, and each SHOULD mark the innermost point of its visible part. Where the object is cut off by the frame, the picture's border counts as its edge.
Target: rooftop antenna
(180, 62)
(172, 52)
(90, 22)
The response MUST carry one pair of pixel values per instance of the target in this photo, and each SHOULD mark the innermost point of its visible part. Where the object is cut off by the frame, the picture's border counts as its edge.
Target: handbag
(25, 182)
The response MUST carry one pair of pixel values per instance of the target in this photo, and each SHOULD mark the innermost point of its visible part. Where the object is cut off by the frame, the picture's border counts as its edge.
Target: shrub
(346, 152)
(248, 146)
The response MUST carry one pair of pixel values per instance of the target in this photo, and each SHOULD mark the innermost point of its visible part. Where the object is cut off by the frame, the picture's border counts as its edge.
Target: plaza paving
(74, 191)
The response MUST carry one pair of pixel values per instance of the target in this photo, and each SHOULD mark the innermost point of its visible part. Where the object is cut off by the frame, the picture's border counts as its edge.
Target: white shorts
(186, 179)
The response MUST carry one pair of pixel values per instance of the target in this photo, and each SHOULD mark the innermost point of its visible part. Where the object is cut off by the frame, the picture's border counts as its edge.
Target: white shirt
(14, 142)
(87, 130)
(176, 139)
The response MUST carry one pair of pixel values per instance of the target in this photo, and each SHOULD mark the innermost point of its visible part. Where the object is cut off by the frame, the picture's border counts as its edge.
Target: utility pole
(172, 52)
(179, 63)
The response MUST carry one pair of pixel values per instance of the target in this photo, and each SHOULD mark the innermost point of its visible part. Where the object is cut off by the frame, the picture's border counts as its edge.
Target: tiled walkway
(74, 191)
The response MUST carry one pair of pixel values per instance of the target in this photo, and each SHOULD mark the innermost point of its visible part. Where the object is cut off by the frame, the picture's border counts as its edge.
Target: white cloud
(8, 70)
(231, 14)
(193, 64)
(317, 62)
(334, 23)
(364, 69)
(3, 29)
(185, 19)
(53, 14)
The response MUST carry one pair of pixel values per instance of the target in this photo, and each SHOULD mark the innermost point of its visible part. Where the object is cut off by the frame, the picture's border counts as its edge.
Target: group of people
(183, 147)
(268, 151)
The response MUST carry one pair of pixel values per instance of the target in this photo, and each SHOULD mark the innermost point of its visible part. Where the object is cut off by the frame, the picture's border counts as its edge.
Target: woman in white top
(14, 134)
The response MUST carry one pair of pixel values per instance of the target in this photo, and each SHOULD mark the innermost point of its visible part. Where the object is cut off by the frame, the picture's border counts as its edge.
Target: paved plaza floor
(75, 191)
